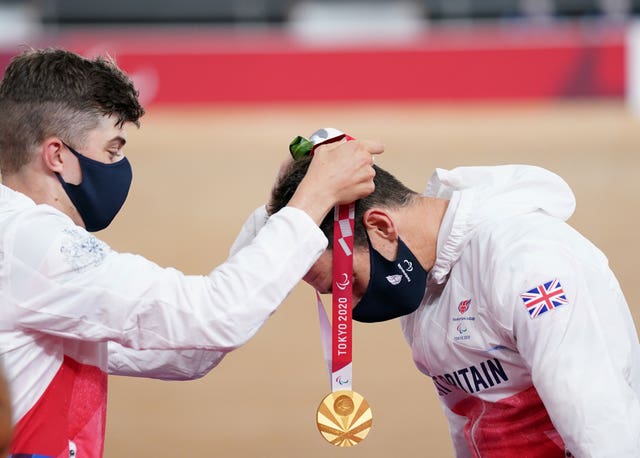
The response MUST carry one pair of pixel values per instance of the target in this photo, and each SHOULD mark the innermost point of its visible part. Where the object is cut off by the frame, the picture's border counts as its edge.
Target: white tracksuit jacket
(73, 310)
(524, 329)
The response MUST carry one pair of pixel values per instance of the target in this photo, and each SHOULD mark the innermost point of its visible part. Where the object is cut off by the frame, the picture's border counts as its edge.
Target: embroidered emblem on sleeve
(544, 298)
(81, 249)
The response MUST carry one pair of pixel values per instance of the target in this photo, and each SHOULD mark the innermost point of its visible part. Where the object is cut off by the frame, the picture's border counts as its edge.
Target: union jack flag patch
(544, 298)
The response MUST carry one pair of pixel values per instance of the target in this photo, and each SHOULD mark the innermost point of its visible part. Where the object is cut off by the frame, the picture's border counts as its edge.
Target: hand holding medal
(344, 417)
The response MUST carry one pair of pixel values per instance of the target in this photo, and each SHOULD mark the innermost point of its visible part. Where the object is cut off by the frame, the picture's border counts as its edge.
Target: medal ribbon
(343, 417)
(342, 298)
(337, 335)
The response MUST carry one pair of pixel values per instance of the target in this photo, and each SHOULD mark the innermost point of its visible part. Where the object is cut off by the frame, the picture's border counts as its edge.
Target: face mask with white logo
(396, 288)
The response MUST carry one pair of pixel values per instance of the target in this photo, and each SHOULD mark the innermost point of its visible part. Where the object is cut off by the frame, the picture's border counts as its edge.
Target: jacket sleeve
(179, 364)
(65, 282)
(162, 364)
(575, 333)
(250, 229)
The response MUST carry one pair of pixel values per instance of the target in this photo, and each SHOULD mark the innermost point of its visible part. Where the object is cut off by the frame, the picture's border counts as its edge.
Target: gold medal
(344, 418)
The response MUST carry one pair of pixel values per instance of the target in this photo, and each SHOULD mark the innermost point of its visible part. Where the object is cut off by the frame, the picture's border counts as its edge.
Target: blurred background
(444, 83)
(204, 51)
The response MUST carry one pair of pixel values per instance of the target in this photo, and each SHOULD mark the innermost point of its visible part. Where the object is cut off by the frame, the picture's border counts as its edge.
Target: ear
(52, 154)
(382, 232)
(379, 223)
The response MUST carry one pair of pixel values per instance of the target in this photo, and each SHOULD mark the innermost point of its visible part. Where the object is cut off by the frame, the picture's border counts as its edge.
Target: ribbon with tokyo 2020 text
(336, 336)
(343, 417)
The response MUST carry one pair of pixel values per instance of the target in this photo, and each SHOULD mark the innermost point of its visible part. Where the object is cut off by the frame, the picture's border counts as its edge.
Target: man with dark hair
(72, 309)
(515, 316)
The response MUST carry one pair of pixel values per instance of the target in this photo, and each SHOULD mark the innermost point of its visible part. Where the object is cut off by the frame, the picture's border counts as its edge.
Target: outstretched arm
(162, 364)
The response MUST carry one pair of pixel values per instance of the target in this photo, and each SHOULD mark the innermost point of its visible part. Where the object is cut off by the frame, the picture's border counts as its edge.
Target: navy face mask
(102, 192)
(396, 288)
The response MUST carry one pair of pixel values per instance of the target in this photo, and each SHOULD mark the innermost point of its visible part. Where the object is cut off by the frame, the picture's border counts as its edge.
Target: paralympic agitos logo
(343, 282)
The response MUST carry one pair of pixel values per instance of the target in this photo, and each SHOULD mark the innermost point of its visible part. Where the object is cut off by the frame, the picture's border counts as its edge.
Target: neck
(42, 188)
(26, 183)
(423, 221)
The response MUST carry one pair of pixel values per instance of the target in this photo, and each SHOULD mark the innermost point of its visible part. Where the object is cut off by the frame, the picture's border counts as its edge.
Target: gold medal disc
(344, 418)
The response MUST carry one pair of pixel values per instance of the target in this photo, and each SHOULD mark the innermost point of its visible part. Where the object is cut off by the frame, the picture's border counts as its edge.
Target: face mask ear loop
(374, 252)
(372, 265)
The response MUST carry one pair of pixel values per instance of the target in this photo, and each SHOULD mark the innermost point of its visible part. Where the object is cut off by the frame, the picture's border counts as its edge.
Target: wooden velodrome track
(199, 173)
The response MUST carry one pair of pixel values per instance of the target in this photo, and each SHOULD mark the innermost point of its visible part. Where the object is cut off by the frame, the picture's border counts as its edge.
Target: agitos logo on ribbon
(343, 417)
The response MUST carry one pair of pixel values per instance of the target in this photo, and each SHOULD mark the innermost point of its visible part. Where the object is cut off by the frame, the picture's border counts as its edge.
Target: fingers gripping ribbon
(301, 147)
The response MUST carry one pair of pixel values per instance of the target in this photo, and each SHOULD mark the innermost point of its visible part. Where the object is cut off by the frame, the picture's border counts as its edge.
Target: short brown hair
(54, 92)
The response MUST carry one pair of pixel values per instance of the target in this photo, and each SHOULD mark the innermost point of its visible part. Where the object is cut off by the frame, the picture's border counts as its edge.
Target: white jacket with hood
(524, 328)
(73, 310)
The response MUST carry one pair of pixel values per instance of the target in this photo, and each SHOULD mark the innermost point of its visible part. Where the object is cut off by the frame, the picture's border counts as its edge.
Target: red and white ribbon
(336, 336)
